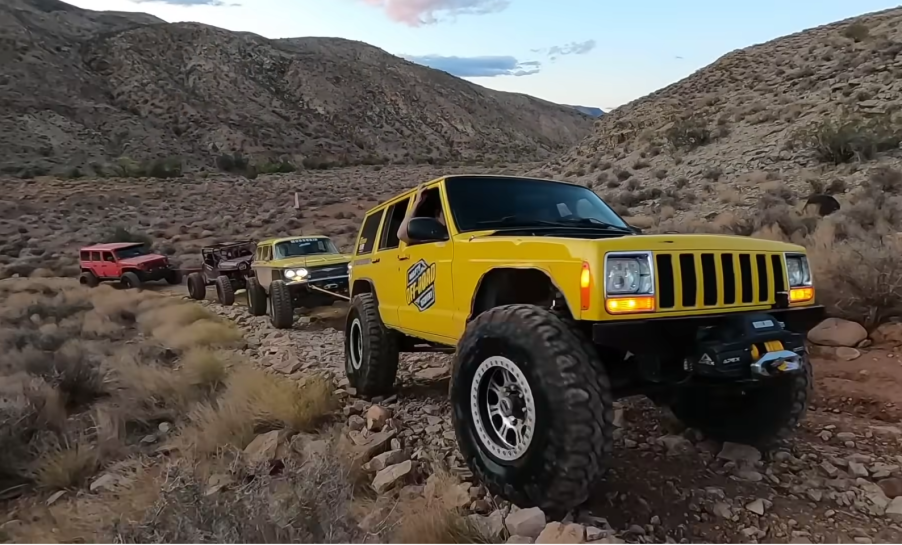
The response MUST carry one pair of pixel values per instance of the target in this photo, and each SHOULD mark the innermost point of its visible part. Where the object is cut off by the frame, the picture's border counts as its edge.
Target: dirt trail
(820, 486)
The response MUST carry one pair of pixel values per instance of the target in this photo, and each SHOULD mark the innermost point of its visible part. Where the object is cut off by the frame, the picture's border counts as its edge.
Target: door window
(395, 216)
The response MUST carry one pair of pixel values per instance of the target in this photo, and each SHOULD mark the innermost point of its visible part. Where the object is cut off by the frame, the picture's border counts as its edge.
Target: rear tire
(759, 416)
(256, 297)
(224, 290)
(371, 349)
(130, 280)
(281, 309)
(88, 279)
(197, 286)
(525, 361)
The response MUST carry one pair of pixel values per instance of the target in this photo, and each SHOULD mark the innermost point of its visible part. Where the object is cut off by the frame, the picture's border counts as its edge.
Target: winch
(746, 346)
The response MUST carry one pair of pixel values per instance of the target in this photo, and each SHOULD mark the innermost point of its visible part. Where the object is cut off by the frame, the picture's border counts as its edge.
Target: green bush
(851, 139)
(688, 133)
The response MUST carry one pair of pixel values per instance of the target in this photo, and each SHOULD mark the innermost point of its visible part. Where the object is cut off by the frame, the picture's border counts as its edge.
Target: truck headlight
(797, 270)
(296, 273)
(629, 275)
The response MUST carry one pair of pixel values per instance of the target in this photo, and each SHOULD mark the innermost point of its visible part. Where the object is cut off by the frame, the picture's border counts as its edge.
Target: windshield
(486, 203)
(304, 246)
(133, 251)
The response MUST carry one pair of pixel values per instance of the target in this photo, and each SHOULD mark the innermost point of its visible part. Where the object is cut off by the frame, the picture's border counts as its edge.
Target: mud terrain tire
(256, 297)
(197, 287)
(174, 277)
(88, 279)
(757, 417)
(281, 310)
(573, 407)
(371, 349)
(224, 290)
(130, 280)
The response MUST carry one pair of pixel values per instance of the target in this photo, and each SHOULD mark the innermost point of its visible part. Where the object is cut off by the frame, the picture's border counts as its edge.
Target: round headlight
(301, 273)
(289, 273)
(628, 276)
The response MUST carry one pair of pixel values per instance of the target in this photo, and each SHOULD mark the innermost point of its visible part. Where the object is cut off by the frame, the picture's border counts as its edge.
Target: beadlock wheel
(503, 408)
(355, 345)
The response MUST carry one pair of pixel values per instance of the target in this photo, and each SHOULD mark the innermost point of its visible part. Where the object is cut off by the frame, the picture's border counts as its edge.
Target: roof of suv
(111, 246)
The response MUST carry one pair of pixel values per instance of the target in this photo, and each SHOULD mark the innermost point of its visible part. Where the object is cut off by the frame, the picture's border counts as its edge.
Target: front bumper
(630, 334)
(153, 275)
(338, 284)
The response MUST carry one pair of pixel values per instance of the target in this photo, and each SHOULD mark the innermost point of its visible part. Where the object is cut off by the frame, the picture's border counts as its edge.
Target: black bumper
(337, 284)
(154, 275)
(633, 334)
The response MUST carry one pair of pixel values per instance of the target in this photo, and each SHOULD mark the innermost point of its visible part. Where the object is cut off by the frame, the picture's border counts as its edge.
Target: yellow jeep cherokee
(555, 307)
(283, 271)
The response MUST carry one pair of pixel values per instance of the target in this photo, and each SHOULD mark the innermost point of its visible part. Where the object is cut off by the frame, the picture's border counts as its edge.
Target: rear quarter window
(85, 256)
(366, 240)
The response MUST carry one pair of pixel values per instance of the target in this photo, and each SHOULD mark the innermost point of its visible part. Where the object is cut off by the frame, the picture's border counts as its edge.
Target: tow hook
(777, 363)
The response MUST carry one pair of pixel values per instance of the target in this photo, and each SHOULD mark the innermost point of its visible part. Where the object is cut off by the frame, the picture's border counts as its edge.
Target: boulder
(837, 332)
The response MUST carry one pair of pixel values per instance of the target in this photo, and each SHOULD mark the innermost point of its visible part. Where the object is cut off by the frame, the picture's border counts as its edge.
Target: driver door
(209, 264)
(428, 305)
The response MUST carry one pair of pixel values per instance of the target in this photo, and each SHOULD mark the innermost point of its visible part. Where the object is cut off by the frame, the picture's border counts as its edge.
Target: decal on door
(421, 285)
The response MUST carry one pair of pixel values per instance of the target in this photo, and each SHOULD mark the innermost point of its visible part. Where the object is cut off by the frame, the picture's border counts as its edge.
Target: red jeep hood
(143, 259)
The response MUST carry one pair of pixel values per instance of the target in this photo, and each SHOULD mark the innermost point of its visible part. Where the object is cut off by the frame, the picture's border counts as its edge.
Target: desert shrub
(123, 234)
(850, 138)
(276, 167)
(688, 133)
(856, 32)
(170, 167)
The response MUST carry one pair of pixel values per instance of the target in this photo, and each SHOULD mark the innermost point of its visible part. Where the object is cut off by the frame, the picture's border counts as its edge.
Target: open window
(394, 218)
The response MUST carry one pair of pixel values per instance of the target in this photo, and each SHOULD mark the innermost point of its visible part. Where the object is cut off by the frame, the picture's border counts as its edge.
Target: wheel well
(362, 286)
(511, 286)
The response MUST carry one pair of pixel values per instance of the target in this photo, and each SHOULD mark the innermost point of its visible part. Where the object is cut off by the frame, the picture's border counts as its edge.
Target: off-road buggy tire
(573, 403)
(88, 279)
(281, 308)
(766, 414)
(256, 297)
(130, 280)
(224, 290)
(372, 365)
(174, 277)
(197, 286)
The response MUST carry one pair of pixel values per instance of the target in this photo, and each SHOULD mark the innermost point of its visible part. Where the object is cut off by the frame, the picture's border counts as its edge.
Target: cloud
(573, 48)
(428, 12)
(216, 3)
(478, 67)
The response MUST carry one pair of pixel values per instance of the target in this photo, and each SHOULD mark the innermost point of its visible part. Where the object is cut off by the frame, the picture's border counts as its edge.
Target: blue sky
(584, 52)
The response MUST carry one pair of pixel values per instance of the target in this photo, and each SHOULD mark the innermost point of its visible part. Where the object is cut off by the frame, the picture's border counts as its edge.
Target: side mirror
(426, 230)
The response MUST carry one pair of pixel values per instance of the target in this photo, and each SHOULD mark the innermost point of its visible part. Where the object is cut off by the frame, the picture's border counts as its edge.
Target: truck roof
(283, 239)
(111, 246)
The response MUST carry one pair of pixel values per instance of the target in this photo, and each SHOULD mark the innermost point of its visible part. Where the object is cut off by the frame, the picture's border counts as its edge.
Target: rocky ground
(837, 479)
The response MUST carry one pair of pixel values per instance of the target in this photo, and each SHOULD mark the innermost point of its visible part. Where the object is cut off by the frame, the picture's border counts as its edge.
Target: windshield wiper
(594, 222)
(521, 221)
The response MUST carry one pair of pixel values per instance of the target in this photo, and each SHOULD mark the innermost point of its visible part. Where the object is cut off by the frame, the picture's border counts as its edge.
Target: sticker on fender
(421, 285)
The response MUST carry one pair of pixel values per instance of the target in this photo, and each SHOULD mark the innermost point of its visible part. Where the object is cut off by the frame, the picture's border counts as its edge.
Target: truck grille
(327, 271)
(718, 279)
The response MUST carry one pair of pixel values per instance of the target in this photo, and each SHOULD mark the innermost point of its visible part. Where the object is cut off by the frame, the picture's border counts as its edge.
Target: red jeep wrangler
(130, 263)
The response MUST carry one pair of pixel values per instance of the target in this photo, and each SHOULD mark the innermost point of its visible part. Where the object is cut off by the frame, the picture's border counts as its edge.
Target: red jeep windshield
(133, 251)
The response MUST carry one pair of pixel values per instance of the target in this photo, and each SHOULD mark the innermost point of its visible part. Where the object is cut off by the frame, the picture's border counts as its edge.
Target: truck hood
(234, 263)
(144, 260)
(313, 261)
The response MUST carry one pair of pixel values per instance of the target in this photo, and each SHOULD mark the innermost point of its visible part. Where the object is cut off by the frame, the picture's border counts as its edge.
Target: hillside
(82, 87)
(810, 112)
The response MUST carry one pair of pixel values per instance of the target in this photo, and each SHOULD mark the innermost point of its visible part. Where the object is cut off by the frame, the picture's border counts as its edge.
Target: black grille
(326, 271)
(712, 279)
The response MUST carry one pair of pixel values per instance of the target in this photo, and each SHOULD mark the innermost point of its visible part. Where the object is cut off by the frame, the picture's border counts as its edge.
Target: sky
(580, 52)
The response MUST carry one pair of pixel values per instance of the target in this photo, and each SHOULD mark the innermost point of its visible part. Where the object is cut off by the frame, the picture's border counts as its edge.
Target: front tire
(371, 349)
(256, 297)
(281, 307)
(130, 280)
(174, 277)
(758, 416)
(224, 290)
(197, 286)
(515, 359)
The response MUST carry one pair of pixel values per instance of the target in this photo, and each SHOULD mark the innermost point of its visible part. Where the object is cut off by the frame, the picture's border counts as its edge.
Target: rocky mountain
(810, 112)
(79, 87)
(590, 110)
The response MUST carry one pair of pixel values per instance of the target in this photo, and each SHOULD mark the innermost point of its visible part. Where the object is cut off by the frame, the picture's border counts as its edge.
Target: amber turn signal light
(585, 287)
(798, 295)
(626, 305)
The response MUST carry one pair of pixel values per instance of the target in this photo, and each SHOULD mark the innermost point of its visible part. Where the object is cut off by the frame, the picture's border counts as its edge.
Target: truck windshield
(131, 251)
(304, 246)
(486, 203)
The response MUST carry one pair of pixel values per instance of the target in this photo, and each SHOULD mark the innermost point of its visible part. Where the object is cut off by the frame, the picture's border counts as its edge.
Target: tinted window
(481, 203)
(367, 238)
(107, 256)
(395, 215)
(95, 256)
(134, 251)
(300, 247)
(85, 256)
